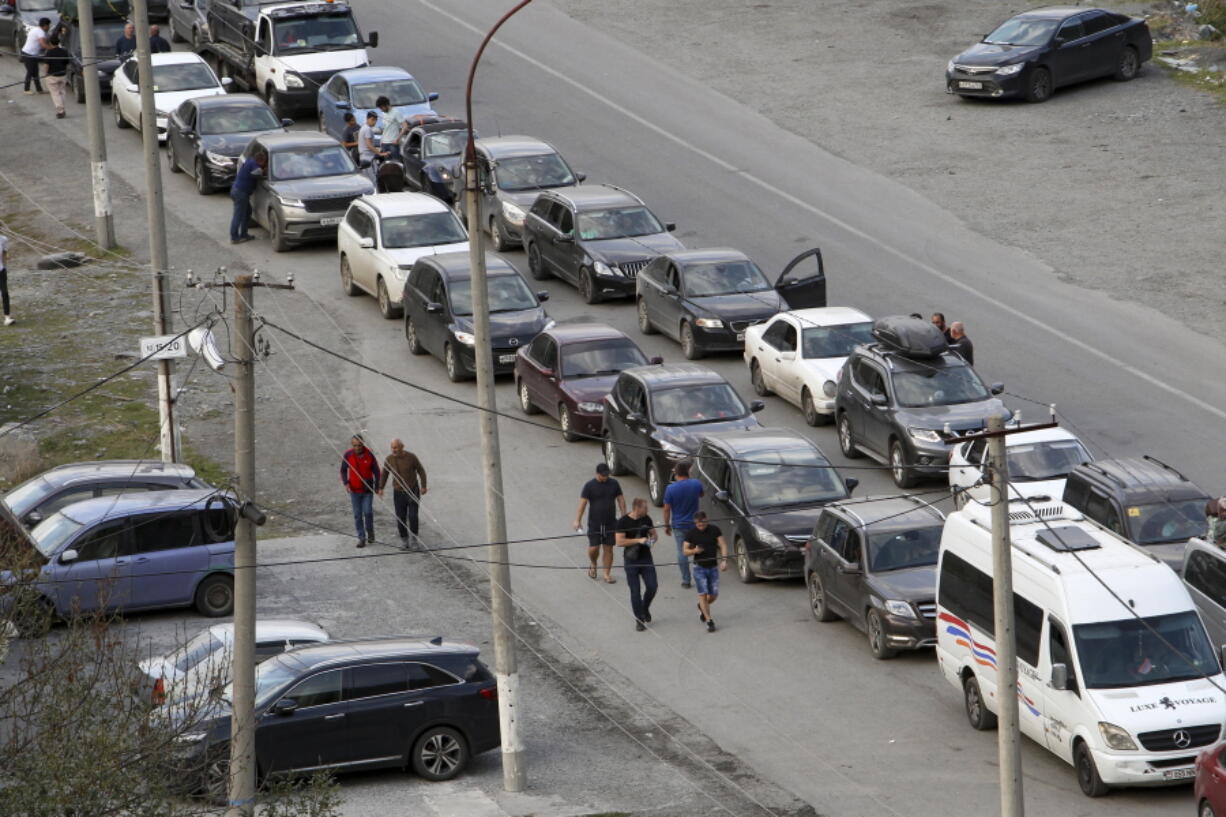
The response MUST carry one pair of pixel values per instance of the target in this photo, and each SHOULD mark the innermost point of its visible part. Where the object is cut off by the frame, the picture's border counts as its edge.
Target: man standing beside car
(602, 496)
(240, 192)
(393, 122)
(961, 343)
(635, 535)
(360, 476)
(680, 505)
(408, 486)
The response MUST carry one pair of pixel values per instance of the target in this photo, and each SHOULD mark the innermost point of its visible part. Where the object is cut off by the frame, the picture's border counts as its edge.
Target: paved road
(802, 703)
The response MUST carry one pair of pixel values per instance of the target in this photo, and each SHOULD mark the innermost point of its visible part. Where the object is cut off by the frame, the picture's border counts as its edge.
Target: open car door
(802, 284)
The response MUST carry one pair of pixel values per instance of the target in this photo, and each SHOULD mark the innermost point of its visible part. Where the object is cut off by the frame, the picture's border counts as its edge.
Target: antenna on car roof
(437, 641)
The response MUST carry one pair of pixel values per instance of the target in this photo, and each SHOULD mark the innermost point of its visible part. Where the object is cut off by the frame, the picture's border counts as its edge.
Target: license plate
(506, 358)
(330, 222)
(1178, 774)
(974, 86)
(740, 336)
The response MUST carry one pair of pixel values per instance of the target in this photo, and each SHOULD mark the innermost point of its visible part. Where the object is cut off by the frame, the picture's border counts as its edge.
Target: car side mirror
(851, 483)
(633, 417)
(433, 95)
(542, 295)
(852, 569)
(187, 4)
(997, 388)
(373, 42)
(69, 556)
(581, 176)
(756, 406)
(285, 706)
(670, 226)
(548, 372)
(721, 495)
(34, 517)
(226, 82)
(880, 399)
(564, 238)
(188, 132)
(133, 88)
(286, 122)
(413, 151)
(434, 308)
(1059, 676)
(1058, 41)
(366, 243)
(343, 106)
(656, 361)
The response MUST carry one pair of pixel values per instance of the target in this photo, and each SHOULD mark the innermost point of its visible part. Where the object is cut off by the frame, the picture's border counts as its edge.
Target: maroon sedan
(1211, 782)
(568, 369)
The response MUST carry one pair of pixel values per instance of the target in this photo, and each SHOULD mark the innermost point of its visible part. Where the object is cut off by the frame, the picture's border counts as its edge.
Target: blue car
(137, 551)
(355, 91)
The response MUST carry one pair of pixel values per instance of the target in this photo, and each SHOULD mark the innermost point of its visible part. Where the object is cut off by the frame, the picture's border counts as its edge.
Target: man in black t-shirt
(56, 59)
(636, 534)
(706, 544)
(602, 496)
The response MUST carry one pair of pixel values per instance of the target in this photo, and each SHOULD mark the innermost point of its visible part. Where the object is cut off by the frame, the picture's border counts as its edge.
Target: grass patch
(1211, 82)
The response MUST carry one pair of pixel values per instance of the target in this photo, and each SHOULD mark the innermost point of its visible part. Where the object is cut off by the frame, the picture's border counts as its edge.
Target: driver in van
(1215, 512)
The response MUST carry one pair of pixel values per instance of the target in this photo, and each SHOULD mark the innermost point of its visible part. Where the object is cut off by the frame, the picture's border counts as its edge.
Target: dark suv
(655, 417)
(1143, 500)
(873, 562)
(356, 705)
(906, 400)
(770, 485)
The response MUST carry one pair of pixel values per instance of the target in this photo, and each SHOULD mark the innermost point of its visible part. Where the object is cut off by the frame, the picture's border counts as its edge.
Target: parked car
(1210, 786)
(1038, 461)
(596, 237)
(106, 33)
(39, 497)
(655, 417)
(145, 551)
(1204, 572)
(1143, 500)
(204, 662)
(206, 136)
(707, 299)
(355, 706)
(177, 77)
(906, 400)
(189, 22)
(384, 234)
(769, 484)
(511, 172)
(306, 189)
(356, 90)
(873, 562)
(438, 310)
(1034, 53)
(17, 17)
(431, 153)
(567, 371)
(798, 355)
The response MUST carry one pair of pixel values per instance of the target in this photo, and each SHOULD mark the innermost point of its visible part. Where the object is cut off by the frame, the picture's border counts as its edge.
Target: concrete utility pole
(156, 210)
(104, 225)
(506, 670)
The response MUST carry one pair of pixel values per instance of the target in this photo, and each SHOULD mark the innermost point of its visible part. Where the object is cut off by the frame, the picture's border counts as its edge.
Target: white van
(1125, 689)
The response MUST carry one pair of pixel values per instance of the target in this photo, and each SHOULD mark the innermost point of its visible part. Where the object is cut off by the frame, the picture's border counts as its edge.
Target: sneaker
(686, 585)
(640, 626)
(28, 91)
(59, 115)
(361, 542)
(9, 320)
(647, 616)
(711, 625)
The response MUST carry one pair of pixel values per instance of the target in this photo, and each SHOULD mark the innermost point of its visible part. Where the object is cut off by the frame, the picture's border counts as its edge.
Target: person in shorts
(705, 542)
(635, 536)
(602, 497)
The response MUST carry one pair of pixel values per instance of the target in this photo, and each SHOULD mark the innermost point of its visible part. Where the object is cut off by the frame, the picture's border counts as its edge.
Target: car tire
(902, 472)
(847, 439)
(812, 416)
(410, 336)
(455, 367)
(758, 380)
(655, 483)
(270, 97)
(689, 346)
(215, 776)
(197, 41)
(567, 424)
(611, 459)
(981, 718)
(645, 324)
(525, 400)
(276, 232)
(744, 570)
(171, 158)
(120, 122)
(1087, 773)
(439, 754)
(587, 288)
(387, 309)
(536, 266)
(498, 241)
(1039, 85)
(1129, 67)
(818, 605)
(215, 596)
(203, 186)
(1205, 809)
(874, 628)
(347, 284)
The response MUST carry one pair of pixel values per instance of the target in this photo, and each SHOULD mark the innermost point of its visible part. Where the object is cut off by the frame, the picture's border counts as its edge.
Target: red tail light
(489, 693)
(159, 692)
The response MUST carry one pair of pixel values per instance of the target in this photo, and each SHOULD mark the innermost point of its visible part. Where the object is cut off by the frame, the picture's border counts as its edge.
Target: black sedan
(705, 299)
(106, 32)
(1034, 53)
(431, 153)
(770, 485)
(205, 136)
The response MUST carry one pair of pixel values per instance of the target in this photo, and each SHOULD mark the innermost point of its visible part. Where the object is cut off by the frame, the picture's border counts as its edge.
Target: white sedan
(798, 354)
(383, 234)
(1039, 461)
(177, 77)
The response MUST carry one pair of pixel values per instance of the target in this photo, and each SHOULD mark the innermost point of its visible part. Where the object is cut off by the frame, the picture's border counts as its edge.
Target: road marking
(835, 220)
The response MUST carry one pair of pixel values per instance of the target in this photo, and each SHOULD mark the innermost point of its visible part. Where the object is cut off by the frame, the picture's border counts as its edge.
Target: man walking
(408, 479)
(4, 280)
(360, 476)
(32, 52)
(706, 544)
(125, 46)
(680, 505)
(393, 123)
(157, 43)
(635, 536)
(602, 496)
(240, 194)
(56, 60)
(961, 343)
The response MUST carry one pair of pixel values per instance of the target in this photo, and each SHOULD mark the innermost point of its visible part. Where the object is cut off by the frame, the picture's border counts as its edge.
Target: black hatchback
(205, 136)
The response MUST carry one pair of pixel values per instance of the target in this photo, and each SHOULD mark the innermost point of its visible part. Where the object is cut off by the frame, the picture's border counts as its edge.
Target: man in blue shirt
(680, 505)
(240, 192)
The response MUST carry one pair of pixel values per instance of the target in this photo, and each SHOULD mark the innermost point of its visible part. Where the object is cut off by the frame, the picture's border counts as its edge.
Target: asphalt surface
(803, 704)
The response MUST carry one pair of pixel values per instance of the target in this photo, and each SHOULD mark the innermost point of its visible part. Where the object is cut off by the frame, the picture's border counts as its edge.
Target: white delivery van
(1115, 672)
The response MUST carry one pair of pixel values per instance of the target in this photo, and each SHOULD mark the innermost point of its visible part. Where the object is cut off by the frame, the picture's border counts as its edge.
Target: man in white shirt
(4, 280)
(366, 145)
(35, 45)
(393, 123)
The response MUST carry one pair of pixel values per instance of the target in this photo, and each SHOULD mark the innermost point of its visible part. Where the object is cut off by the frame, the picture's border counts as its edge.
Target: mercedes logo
(1182, 739)
(514, 341)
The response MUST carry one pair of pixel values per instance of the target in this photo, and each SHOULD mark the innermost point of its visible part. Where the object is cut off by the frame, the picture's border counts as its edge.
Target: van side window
(974, 451)
(966, 592)
(1208, 575)
(1060, 653)
(165, 531)
(838, 536)
(376, 679)
(1100, 509)
(107, 541)
(1028, 626)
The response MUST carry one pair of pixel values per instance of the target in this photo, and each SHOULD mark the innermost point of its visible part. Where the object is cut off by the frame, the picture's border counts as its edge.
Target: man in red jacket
(360, 476)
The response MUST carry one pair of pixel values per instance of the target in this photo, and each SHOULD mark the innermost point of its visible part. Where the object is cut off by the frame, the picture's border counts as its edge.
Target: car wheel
(645, 325)
(1205, 810)
(203, 186)
(120, 122)
(900, 469)
(171, 159)
(810, 411)
(497, 240)
(455, 369)
(387, 309)
(536, 267)
(977, 712)
(847, 440)
(78, 88)
(270, 97)
(1087, 773)
(587, 288)
(525, 400)
(215, 784)
(611, 459)
(439, 754)
(1038, 89)
(197, 42)
(564, 420)
(744, 570)
(347, 285)
(1130, 65)
(276, 232)
(758, 381)
(175, 36)
(410, 336)
(689, 347)
(215, 596)
(655, 485)
(817, 598)
(876, 637)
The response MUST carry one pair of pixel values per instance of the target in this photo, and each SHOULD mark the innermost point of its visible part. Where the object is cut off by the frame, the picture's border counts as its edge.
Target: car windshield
(914, 547)
(691, 405)
(939, 387)
(105, 38)
(185, 76)
(237, 119)
(590, 358)
(1046, 460)
(422, 230)
(325, 33)
(1023, 31)
(724, 278)
(533, 172)
(27, 495)
(399, 92)
(620, 223)
(310, 162)
(800, 476)
(53, 532)
(36, 5)
(1154, 650)
(1170, 521)
(446, 143)
(196, 650)
(835, 341)
(508, 293)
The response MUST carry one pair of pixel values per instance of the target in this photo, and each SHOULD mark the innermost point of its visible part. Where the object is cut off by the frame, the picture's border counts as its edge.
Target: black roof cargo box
(911, 337)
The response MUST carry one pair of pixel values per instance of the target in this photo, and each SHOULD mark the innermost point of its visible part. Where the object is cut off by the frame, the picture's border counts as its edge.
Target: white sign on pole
(163, 347)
